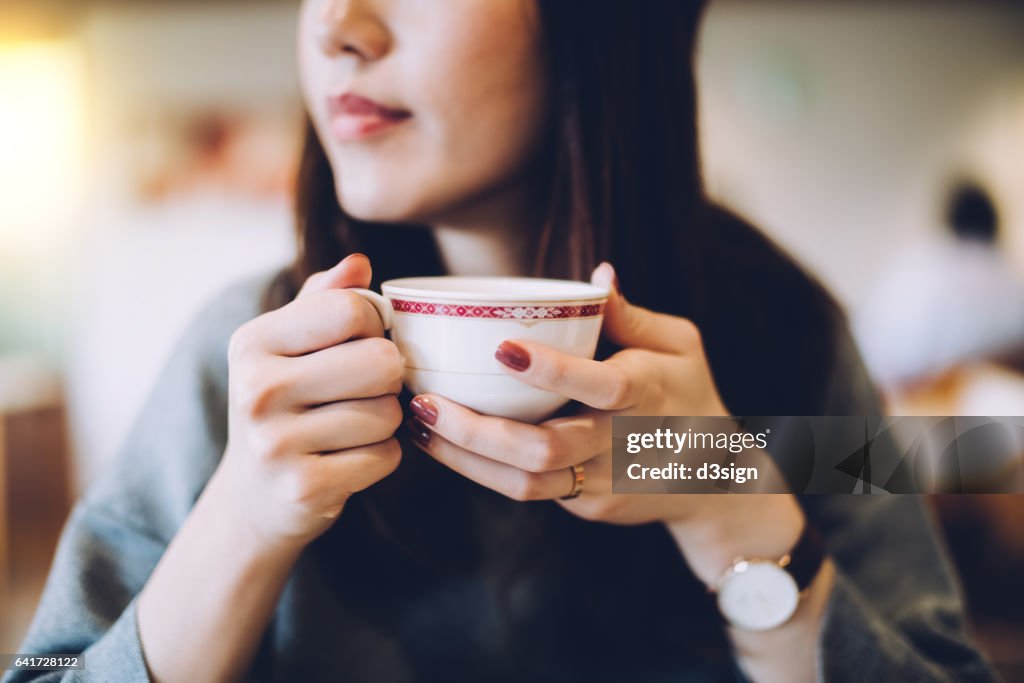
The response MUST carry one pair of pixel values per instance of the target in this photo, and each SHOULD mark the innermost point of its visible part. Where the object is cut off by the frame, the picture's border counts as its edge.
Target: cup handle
(383, 306)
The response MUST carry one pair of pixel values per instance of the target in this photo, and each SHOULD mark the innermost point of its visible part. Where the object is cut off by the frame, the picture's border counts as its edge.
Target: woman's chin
(386, 208)
(373, 215)
(372, 208)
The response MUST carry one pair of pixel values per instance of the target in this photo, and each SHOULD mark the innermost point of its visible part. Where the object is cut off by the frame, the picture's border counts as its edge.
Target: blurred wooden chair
(35, 486)
(5, 590)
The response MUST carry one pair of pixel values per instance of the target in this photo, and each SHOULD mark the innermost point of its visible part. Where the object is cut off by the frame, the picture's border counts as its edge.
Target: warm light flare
(41, 142)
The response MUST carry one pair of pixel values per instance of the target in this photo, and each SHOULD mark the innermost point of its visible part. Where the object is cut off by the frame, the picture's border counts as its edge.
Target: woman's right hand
(312, 412)
(313, 408)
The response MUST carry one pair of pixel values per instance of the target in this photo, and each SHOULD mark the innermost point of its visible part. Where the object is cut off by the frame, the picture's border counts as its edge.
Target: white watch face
(758, 595)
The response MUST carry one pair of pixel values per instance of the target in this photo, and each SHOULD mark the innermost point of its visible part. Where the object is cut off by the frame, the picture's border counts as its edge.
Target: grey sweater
(539, 595)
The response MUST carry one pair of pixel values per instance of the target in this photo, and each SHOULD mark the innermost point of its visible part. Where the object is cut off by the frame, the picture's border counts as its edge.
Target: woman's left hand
(661, 370)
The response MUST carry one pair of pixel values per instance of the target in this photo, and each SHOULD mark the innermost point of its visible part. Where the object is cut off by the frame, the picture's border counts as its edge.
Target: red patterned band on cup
(498, 312)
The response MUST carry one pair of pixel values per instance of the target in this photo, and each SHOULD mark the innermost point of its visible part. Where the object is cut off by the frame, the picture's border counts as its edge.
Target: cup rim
(474, 289)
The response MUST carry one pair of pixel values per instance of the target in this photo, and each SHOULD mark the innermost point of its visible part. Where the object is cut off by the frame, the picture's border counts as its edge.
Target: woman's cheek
(311, 60)
(490, 115)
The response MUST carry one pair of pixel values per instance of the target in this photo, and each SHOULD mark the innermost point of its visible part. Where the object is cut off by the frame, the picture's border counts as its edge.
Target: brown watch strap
(805, 559)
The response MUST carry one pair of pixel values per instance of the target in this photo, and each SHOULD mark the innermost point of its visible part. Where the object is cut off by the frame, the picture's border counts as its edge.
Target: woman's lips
(353, 117)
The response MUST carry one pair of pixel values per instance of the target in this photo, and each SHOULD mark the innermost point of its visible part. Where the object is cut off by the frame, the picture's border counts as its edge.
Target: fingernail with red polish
(418, 432)
(513, 355)
(424, 409)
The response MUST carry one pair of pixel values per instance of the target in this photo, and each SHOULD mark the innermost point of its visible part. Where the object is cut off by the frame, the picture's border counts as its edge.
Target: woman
(258, 523)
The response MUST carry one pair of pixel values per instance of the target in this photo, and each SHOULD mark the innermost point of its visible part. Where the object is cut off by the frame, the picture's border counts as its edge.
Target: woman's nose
(353, 27)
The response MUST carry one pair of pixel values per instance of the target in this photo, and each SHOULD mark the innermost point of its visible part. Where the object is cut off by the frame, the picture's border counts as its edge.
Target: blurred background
(146, 156)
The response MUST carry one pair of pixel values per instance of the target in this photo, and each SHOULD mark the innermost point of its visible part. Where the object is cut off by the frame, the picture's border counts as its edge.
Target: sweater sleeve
(118, 531)
(895, 612)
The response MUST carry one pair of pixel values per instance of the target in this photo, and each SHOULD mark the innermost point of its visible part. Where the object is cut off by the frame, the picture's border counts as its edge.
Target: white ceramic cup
(447, 329)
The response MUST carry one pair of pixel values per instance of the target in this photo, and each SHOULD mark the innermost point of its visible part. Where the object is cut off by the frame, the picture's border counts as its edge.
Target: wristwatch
(762, 594)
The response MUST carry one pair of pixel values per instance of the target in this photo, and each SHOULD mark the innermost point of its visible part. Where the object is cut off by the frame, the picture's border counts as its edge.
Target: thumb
(352, 271)
(632, 326)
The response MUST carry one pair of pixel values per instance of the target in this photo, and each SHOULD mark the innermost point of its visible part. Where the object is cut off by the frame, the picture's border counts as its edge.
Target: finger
(317, 321)
(355, 469)
(362, 368)
(636, 327)
(527, 447)
(343, 425)
(511, 481)
(352, 271)
(601, 385)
